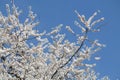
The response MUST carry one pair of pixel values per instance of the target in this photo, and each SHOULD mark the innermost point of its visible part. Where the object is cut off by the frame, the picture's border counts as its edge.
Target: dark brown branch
(72, 55)
(54, 74)
(76, 50)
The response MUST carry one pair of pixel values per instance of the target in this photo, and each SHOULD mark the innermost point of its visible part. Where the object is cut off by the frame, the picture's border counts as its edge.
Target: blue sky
(54, 12)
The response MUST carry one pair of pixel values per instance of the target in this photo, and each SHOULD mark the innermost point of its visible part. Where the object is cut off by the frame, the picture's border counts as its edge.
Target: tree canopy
(53, 56)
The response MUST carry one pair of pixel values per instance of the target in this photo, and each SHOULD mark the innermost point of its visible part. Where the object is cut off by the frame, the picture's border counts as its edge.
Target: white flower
(67, 50)
(69, 29)
(81, 27)
(56, 30)
(4, 50)
(82, 18)
(91, 18)
(97, 58)
(97, 21)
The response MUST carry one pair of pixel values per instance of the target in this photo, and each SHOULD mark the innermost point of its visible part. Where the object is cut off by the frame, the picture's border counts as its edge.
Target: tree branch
(72, 55)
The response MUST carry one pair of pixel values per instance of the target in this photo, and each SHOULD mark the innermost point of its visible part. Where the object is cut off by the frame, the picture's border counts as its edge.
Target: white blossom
(97, 58)
(27, 54)
(69, 29)
(91, 18)
(56, 30)
(97, 21)
(81, 27)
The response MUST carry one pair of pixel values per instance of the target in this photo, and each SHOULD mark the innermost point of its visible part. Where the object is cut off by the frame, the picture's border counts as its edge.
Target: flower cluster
(51, 58)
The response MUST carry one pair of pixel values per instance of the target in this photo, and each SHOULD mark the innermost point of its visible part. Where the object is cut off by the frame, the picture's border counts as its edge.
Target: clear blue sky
(54, 12)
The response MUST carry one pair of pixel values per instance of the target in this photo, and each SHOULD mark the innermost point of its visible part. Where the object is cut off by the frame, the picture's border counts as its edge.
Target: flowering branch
(51, 58)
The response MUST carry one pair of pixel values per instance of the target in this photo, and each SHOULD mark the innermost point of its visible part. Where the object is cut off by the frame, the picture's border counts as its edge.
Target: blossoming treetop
(51, 58)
